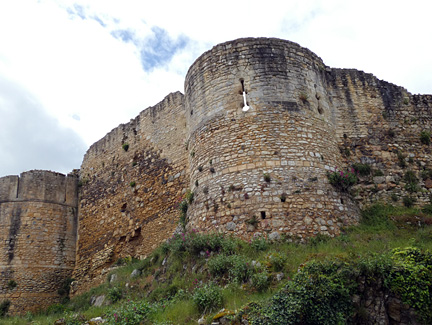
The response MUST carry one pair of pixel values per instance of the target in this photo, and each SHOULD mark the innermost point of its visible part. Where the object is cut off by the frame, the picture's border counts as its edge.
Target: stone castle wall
(38, 226)
(379, 124)
(260, 171)
(128, 199)
(288, 134)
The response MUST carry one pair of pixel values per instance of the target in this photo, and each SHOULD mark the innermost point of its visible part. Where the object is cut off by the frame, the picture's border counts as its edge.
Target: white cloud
(85, 58)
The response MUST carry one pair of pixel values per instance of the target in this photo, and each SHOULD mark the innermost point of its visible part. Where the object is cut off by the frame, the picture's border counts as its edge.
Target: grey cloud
(30, 138)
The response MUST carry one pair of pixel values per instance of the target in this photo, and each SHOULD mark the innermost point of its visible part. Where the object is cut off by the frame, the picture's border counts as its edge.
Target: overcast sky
(70, 71)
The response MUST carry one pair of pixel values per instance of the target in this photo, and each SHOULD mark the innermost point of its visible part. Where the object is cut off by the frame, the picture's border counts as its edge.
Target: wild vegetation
(196, 276)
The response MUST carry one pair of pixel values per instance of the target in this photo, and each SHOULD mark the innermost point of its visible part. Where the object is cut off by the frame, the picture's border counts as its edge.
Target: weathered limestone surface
(128, 201)
(38, 225)
(260, 171)
(289, 133)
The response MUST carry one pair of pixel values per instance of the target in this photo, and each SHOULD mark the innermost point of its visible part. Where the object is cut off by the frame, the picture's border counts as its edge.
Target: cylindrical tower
(38, 225)
(263, 170)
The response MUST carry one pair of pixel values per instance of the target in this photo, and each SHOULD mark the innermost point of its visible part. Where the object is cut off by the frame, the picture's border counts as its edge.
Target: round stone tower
(38, 225)
(261, 140)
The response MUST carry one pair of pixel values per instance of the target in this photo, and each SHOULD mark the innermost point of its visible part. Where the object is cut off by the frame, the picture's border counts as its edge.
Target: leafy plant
(425, 174)
(412, 279)
(4, 307)
(125, 146)
(189, 196)
(408, 201)
(411, 181)
(129, 313)
(343, 180)
(401, 159)
(114, 294)
(259, 243)
(132, 184)
(362, 169)
(267, 177)
(11, 284)
(378, 172)
(425, 137)
(208, 297)
(260, 281)
(253, 221)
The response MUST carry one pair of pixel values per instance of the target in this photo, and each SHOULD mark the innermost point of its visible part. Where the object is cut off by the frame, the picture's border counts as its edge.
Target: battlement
(40, 185)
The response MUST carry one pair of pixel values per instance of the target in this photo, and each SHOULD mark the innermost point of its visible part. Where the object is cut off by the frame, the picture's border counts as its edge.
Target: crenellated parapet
(39, 185)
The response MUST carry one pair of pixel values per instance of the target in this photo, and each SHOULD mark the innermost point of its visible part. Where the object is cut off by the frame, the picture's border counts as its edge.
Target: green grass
(169, 288)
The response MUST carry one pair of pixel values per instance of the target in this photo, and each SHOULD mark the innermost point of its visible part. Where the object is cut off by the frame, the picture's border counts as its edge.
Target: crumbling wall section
(131, 183)
(380, 125)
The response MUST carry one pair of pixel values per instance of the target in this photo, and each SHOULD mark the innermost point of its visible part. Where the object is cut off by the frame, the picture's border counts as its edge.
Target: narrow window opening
(263, 215)
(246, 107)
(342, 201)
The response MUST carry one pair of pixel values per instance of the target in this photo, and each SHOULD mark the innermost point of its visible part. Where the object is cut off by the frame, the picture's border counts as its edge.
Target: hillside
(378, 271)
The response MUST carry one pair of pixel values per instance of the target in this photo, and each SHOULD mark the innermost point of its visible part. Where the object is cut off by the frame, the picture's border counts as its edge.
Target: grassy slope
(176, 272)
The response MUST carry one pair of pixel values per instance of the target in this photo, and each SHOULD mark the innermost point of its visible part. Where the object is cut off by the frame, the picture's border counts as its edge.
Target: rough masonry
(256, 171)
(38, 227)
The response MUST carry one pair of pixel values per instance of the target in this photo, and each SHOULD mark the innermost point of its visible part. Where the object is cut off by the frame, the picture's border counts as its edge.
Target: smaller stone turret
(38, 228)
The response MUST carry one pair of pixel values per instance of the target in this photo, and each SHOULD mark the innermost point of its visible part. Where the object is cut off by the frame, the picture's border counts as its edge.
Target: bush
(4, 307)
(125, 146)
(195, 243)
(362, 169)
(411, 181)
(260, 281)
(237, 267)
(427, 209)
(425, 137)
(342, 180)
(408, 201)
(412, 279)
(401, 159)
(259, 243)
(425, 174)
(114, 294)
(377, 215)
(317, 295)
(130, 313)
(378, 172)
(11, 284)
(219, 265)
(208, 297)
(277, 261)
(189, 196)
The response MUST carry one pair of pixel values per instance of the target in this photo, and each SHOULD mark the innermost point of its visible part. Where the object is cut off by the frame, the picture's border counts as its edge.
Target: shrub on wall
(425, 137)
(362, 169)
(343, 180)
(411, 181)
